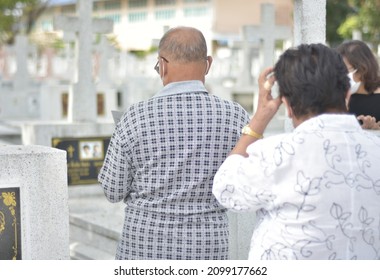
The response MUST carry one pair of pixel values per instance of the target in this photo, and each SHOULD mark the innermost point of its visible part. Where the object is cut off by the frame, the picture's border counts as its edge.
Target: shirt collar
(181, 87)
(336, 122)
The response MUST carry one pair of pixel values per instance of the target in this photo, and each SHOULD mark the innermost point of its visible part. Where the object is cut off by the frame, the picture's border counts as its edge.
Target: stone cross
(249, 47)
(68, 54)
(49, 59)
(82, 96)
(104, 52)
(21, 48)
(309, 21)
(268, 32)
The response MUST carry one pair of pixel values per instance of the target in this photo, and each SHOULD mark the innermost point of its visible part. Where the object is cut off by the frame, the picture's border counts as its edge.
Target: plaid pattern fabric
(161, 161)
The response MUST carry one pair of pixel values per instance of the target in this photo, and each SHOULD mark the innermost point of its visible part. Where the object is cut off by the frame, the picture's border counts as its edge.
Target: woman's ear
(348, 95)
(289, 109)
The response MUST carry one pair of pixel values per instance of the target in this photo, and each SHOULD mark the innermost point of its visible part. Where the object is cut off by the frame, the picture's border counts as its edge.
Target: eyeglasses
(157, 66)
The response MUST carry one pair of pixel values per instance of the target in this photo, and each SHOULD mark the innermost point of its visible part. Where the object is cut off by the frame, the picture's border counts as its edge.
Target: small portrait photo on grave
(91, 150)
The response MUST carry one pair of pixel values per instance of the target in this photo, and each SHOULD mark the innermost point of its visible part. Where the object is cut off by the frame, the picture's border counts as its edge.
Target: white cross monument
(309, 27)
(82, 96)
(267, 32)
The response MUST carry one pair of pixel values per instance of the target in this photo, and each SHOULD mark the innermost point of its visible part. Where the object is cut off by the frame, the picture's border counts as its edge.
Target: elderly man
(163, 155)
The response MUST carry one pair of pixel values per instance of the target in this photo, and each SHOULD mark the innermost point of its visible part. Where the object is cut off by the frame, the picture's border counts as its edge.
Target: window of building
(197, 1)
(137, 17)
(196, 12)
(47, 25)
(165, 2)
(137, 3)
(112, 5)
(164, 14)
(115, 18)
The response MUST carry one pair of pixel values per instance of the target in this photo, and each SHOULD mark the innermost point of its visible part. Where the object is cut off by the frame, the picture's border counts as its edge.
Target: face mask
(354, 85)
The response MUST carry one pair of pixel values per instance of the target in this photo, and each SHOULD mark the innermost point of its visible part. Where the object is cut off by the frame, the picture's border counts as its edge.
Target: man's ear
(209, 62)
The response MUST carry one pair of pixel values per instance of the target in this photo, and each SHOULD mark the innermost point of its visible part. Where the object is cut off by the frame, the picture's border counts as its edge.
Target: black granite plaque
(10, 224)
(85, 157)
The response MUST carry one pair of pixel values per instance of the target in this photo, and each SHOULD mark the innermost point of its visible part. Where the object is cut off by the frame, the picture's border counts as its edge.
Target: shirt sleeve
(242, 185)
(115, 176)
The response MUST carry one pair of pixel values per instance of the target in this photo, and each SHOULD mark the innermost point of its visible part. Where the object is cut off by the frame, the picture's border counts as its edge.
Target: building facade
(139, 24)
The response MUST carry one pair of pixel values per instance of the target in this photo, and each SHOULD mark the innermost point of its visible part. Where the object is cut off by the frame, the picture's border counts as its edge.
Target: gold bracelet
(249, 131)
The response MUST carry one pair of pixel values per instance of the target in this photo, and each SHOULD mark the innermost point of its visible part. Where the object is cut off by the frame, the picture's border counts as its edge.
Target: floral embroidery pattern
(316, 191)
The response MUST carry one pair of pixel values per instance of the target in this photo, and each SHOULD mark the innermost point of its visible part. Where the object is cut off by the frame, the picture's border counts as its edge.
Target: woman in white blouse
(316, 190)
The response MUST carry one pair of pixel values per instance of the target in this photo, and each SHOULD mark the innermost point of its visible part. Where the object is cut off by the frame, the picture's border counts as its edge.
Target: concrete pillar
(309, 21)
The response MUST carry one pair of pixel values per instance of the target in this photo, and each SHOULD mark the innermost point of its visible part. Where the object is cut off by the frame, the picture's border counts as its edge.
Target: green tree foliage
(336, 14)
(365, 18)
(19, 16)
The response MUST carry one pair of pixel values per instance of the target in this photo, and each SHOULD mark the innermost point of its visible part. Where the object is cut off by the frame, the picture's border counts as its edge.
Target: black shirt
(365, 104)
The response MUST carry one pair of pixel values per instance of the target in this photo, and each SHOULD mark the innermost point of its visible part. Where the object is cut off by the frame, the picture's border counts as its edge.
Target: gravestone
(10, 223)
(81, 124)
(82, 100)
(34, 212)
(105, 88)
(268, 33)
(19, 98)
(84, 157)
(309, 27)
(243, 90)
(265, 36)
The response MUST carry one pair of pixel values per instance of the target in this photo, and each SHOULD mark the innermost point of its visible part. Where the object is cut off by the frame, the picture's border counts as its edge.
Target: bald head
(184, 44)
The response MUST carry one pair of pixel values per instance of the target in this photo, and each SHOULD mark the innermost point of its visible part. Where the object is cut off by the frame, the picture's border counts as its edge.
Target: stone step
(80, 251)
(96, 236)
(9, 134)
(95, 223)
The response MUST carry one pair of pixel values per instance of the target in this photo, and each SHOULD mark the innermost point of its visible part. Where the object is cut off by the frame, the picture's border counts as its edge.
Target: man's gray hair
(184, 44)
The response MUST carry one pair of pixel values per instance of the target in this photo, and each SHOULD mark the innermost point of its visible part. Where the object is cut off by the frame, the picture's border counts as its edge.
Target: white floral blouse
(316, 191)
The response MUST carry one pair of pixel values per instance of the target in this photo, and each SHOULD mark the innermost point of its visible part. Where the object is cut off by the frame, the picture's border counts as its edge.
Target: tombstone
(34, 212)
(250, 50)
(80, 126)
(47, 71)
(265, 36)
(105, 89)
(242, 91)
(69, 58)
(309, 27)
(19, 99)
(82, 100)
(268, 33)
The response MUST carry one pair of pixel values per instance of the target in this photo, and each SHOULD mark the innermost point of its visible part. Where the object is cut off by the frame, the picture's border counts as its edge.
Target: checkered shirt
(161, 162)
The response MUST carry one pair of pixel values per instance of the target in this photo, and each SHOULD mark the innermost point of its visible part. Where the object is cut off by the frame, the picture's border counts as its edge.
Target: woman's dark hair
(360, 56)
(313, 78)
